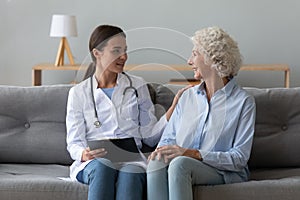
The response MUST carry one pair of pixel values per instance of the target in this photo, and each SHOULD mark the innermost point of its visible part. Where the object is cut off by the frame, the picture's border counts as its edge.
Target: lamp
(63, 26)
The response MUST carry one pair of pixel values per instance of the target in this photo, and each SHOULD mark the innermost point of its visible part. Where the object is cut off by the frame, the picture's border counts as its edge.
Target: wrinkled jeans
(175, 181)
(106, 182)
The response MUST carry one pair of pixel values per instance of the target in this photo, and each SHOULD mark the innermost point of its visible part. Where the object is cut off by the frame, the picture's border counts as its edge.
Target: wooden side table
(253, 67)
(37, 71)
(271, 67)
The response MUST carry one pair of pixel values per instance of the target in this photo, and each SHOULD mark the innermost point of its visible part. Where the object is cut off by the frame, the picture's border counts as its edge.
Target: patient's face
(198, 65)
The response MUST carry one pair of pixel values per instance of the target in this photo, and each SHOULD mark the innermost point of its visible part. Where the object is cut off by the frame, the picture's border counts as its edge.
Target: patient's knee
(155, 165)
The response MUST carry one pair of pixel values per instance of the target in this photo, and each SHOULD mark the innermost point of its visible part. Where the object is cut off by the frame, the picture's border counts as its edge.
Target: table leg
(36, 77)
(287, 78)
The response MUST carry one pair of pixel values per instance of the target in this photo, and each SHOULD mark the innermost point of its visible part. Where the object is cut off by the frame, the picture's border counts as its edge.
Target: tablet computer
(118, 150)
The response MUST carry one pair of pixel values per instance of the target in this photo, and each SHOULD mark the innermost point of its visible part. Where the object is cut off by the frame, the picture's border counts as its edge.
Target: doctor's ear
(97, 53)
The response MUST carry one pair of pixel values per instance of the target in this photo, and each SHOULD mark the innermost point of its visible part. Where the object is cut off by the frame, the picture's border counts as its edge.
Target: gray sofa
(34, 161)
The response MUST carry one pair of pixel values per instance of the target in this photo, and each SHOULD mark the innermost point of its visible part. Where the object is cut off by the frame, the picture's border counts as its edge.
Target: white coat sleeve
(150, 129)
(75, 125)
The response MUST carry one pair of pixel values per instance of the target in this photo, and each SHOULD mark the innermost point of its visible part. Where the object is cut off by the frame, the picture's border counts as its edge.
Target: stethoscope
(97, 123)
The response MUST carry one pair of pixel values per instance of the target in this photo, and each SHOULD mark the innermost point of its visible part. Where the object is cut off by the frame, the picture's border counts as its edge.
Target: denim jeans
(175, 181)
(106, 182)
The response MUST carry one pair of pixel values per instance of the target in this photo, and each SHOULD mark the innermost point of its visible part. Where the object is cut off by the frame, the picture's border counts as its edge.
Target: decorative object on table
(63, 26)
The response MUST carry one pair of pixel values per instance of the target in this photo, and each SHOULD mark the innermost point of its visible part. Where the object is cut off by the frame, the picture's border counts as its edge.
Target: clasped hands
(167, 153)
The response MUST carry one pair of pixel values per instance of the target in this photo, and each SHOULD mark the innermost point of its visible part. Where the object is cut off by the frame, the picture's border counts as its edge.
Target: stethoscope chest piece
(97, 124)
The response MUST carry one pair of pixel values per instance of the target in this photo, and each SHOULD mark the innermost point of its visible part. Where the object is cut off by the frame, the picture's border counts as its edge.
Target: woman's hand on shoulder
(175, 101)
(179, 93)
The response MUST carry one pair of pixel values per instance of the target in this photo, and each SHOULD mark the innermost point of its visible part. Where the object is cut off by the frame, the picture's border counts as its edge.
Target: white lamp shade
(63, 26)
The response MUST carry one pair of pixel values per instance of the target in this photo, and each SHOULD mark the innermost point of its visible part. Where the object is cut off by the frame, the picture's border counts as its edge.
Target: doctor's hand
(179, 93)
(87, 154)
(175, 101)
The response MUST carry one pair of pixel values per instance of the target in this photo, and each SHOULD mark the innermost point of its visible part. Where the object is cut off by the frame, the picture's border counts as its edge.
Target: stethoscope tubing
(97, 123)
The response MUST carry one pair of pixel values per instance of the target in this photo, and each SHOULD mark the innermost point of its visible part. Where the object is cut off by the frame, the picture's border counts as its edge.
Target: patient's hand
(167, 153)
(155, 155)
(170, 152)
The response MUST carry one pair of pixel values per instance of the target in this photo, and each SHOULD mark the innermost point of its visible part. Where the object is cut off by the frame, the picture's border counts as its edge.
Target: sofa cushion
(286, 188)
(32, 181)
(277, 129)
(274, 173)
(32, 121)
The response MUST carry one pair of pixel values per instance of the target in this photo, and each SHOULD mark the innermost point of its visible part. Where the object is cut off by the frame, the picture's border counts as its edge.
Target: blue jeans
(175, 181)
(106, 182)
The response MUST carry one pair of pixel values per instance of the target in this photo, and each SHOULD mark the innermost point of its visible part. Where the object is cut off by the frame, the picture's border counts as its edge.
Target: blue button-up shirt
(222, 129)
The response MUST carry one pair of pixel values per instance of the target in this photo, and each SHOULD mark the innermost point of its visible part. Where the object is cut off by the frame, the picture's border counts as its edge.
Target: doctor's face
(114, 55)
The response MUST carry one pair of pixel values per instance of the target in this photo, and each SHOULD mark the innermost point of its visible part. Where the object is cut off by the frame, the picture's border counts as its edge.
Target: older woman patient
(209, 136)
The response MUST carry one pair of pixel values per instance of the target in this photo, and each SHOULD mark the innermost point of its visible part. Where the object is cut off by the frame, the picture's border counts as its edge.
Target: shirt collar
(95, 82)
(227, 89)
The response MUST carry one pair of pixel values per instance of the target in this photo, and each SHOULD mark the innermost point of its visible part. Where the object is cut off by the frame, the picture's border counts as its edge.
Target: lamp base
(64, 45)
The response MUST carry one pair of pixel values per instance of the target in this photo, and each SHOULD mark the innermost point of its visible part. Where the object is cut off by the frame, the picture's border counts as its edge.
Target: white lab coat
(131, 117)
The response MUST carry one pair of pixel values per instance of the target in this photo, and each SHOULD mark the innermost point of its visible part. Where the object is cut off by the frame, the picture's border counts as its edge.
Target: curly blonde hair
(219, 49)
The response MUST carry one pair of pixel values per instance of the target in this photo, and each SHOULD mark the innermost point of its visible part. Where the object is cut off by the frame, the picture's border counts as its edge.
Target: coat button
(284, 127)
(27, 125)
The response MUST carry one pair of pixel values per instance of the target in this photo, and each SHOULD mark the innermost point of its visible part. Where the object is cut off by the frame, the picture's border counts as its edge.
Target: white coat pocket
(129, 110)
(89, 118)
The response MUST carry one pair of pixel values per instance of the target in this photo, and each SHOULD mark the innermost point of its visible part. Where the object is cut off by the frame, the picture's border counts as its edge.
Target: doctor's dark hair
(98, 39)
(101, 35)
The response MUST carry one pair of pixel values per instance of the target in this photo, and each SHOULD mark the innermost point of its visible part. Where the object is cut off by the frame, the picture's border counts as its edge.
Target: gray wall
(267, 32)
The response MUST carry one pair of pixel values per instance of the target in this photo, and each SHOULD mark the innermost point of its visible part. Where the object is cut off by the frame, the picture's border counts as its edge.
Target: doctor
(111, 104)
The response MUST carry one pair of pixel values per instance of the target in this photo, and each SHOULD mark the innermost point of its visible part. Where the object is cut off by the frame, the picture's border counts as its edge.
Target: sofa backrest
(277, 128)
(162, 96)
(32, 124)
